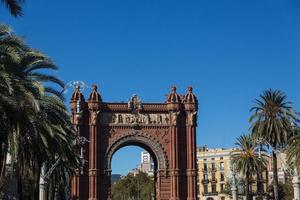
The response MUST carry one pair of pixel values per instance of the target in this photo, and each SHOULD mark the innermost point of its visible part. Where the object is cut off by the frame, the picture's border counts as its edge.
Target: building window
(205, 177)
(221, 166)
(213, 166)
(205, 166)
(222, 187)
(205, 189)
(213, 188)
(222, 177)
(213, 176)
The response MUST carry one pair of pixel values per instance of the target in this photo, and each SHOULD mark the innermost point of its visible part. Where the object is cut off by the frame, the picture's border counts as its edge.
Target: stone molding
(138, 138)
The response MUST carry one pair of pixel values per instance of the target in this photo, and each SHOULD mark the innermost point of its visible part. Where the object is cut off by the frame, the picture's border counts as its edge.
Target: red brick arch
(166, 130)
(140, 139)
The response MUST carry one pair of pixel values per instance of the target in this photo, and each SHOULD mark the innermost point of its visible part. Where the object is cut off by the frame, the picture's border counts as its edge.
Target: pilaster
(174, 106)
(94, 106)
(191, 106)
(78, 110)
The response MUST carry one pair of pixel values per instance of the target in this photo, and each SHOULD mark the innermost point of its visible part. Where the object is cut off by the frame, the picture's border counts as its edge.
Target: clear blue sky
(229, 51)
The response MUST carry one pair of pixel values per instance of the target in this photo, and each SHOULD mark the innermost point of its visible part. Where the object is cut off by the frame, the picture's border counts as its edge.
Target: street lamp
(233, 183)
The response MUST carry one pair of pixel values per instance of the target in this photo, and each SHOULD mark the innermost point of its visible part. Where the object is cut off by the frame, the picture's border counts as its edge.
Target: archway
(144, 141)
(133, 174)
(140, 139)
(167, 130)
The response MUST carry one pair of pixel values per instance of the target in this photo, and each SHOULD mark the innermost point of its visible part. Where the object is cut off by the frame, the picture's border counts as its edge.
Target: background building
(214, 174)
(146, 165)
(282, 168)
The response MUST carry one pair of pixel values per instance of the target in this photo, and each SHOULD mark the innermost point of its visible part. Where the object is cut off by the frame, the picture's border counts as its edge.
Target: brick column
(174, 165)
(78, 109)
(93, 170)
(174, 106)
(191, 158)
(191, 107)
(94, 105)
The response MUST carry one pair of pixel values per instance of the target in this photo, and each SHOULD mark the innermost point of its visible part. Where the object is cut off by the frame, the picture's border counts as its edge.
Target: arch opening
(136, 180)
(136, 139)
(149, 144)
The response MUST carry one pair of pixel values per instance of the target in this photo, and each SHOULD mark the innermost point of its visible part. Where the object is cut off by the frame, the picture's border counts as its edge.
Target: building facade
(213, 172)
(147, 164)
(215, 175)
(282, 168)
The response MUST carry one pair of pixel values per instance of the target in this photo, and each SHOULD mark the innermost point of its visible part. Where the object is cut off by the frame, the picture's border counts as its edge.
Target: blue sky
(229, 51)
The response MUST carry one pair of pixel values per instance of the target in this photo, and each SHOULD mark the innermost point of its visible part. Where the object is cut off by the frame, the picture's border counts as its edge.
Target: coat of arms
(135, 104)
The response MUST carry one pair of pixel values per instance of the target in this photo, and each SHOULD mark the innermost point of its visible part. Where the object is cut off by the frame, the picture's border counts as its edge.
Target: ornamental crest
(135, 103)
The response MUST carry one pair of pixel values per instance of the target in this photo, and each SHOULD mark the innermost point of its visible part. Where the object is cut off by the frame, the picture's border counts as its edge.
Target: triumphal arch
(166, 130)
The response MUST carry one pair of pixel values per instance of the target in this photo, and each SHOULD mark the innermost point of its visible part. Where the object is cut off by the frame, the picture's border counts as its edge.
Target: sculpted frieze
(131, 118)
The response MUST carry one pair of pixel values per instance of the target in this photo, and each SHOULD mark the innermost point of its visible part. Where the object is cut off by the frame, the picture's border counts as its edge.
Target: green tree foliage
(35, 126)
(248, 161)
(285, 190)
(130, 187)
(272, 121)
(293, 149)
(14, 7)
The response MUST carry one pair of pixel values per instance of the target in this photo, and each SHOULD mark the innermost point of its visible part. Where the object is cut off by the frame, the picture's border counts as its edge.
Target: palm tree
(35, 124)
(272, 120)
(14, 7)
(293, 149)
(248, 161)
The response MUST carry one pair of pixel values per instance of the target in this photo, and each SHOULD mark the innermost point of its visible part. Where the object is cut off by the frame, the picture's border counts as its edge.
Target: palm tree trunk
(3, 167)
(247, 192)
(275, 175)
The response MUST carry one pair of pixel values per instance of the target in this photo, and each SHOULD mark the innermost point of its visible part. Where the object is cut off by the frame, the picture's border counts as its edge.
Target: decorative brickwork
(166, 130)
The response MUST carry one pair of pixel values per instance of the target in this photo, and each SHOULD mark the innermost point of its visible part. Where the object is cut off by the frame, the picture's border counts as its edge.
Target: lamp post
(44, 178)
(233, 185)
(296, 184)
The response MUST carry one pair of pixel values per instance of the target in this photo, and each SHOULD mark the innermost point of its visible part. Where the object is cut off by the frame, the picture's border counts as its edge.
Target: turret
(190, 100)
(94, 105)
(173, 100)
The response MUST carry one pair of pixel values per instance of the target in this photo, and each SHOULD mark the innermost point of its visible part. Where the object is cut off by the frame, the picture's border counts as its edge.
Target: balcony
(210, 193)
(205, 181)
(213, 180)
(213, 169)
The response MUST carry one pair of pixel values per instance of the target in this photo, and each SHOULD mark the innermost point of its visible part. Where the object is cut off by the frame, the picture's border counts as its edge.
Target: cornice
(123, 107)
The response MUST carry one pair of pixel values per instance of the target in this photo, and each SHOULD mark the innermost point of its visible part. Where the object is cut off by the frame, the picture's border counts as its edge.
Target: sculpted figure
(192, 118)
(77, 119)
(120, 119)
(146, 119)
(94, 117)
(127, 119)
(166, 120)
(175, 117)
(113, 118)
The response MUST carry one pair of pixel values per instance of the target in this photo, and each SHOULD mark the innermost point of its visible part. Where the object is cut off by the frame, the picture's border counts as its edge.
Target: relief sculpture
(142, 119)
